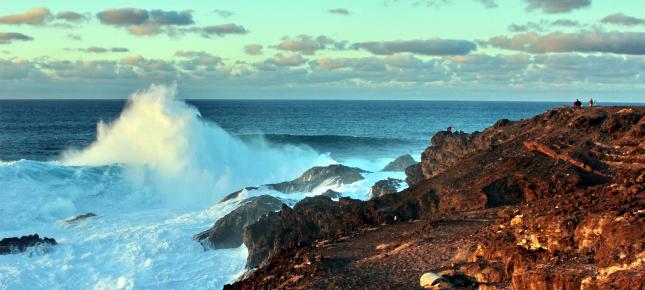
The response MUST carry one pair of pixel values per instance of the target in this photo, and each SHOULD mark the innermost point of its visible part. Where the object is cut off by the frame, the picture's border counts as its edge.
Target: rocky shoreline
(552, 202)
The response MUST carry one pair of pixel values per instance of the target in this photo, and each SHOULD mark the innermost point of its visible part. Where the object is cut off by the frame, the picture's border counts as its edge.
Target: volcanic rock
(235, 194)
(335, 174)
(385, 186)
(331, 193)
(19, 245)
(400, 163)
(228, 231)
(566, 185)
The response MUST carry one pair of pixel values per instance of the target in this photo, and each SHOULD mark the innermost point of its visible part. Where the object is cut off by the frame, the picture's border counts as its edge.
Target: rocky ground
(552, 202)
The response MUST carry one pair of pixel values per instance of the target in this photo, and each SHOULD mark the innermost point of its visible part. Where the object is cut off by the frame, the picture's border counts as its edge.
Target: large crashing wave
(186, 160)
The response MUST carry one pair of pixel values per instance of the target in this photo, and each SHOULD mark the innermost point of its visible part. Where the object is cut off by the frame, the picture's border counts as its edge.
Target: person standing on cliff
(577, 104)
(590, 102)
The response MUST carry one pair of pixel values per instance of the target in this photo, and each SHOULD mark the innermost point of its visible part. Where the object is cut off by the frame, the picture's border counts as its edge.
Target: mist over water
(167, 145)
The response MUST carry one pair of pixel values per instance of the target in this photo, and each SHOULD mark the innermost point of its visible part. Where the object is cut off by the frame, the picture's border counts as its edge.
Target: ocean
(153, 168)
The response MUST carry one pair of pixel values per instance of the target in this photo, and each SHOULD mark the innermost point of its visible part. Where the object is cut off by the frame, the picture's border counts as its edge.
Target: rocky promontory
(551, 202)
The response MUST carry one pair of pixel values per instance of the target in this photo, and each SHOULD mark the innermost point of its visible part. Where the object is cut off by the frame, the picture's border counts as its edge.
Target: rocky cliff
(566, 187)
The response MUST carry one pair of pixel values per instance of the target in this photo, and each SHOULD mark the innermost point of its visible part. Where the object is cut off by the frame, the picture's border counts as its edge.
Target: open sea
(153, 168)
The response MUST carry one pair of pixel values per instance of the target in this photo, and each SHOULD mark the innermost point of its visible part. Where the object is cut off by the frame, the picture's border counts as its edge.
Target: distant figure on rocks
(590, 102)
(577, 104)
(449, 130)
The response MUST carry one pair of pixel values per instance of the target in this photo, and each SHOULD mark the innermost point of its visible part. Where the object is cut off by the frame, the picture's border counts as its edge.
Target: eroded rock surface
(335, 174)
(570, 207)
(228, 231)
(385, 186)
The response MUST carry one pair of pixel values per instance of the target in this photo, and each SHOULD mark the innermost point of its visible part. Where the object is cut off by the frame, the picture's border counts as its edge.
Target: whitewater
(153, 177)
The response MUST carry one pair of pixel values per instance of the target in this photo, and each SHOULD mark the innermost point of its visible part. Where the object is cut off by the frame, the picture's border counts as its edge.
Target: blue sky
(361, 49)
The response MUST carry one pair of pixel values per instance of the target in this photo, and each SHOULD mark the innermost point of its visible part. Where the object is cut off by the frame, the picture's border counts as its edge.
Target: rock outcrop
(228, 231)
(80, 218)
(19, 245)
(400, 163)
(385, 186)
(331, 193)
(335, 174)
(568, 185)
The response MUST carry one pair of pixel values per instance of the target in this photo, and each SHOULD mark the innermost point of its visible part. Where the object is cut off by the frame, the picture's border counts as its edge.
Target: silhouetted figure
(449, 130)
(577, 104)
(590, 102)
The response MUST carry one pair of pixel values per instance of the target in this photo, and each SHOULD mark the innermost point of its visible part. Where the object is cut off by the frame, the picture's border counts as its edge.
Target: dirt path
(393, 256)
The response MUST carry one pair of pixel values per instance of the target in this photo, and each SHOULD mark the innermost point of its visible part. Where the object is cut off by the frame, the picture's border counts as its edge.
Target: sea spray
(168, 147)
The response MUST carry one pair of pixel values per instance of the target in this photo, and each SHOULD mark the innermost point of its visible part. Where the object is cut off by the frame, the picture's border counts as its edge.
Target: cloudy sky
(359, 49)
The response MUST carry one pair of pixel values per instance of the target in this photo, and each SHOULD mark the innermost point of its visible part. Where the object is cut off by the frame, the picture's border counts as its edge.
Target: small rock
(331, 193)
(433, 281)
(79, 218)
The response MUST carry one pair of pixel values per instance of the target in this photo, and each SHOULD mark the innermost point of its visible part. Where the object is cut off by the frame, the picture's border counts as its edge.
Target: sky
(536, 50)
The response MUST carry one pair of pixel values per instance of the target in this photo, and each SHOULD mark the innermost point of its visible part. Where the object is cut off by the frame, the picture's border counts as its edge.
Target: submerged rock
(18, 245)
(400, 163)
(385, 186)
(335, 174)
(228, 231)
(79, 218)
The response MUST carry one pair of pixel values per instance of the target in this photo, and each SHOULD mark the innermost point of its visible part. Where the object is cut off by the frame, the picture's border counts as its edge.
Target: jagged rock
(413, 174)
(19, 245)
(400, 163)
(335, 174)
(331, 193)
(79, 218)
(237, 193)
(568, 226)
(385, 186)
(228, 231)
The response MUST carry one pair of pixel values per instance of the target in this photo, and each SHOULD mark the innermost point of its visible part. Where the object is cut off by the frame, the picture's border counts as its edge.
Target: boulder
(400, 163)
(18, 245)
(331, 193)
(335, 174)
(385, 186)
(228, 231)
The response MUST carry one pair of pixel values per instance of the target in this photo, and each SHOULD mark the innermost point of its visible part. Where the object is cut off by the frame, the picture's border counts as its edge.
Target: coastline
(550, 201)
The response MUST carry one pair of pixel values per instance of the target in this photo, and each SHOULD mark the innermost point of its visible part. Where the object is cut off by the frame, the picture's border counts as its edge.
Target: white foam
(151, 177)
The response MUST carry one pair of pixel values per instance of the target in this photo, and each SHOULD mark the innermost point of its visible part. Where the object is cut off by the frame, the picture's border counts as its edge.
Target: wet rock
(400, 163)
(19, 245)
(228, 231)
(331, 193)
(335, 174)
(385, 186)
(237, 193)
(79, 218)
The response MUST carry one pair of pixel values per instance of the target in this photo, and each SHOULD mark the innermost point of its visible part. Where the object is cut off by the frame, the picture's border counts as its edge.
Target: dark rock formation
(237, 193)
(19, 245)
(400, 163)
(228, 231)
(385, 186)
(331, 193)
(572, 181)
(336, 174)
(79, 218)
(413, 174)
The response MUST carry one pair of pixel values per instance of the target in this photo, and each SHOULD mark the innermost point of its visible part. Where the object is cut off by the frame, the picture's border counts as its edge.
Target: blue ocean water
(42, 129)
(154, 168)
